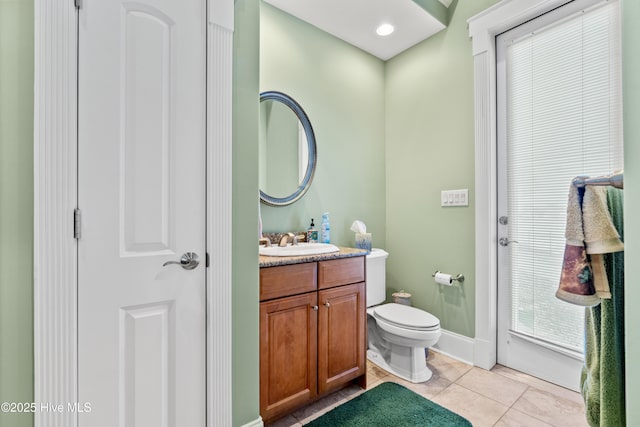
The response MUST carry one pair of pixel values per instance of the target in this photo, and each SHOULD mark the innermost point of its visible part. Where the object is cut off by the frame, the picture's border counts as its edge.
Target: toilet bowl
(397, 334)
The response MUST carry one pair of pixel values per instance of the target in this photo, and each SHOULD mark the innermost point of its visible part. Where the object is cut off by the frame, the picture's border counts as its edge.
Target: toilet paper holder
(457, 278)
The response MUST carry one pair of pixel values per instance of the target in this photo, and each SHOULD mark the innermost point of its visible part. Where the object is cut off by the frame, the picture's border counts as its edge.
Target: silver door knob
(188, 261)
(504, 241)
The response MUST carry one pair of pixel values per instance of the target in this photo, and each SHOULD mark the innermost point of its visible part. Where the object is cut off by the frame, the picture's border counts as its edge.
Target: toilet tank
(376, 279)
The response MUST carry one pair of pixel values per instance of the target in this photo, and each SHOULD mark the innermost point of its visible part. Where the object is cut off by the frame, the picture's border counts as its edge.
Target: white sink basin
(300, 249)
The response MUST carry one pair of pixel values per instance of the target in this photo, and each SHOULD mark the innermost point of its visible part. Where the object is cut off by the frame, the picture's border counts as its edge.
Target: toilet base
(420, 373)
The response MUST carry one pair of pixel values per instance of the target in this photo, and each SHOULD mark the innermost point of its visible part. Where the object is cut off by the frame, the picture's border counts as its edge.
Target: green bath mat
(389, 405)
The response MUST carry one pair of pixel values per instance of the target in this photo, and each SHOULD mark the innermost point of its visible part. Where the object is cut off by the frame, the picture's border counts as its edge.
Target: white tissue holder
(458, 277)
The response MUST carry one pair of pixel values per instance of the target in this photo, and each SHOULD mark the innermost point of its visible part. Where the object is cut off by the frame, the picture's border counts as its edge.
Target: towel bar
(615, 179)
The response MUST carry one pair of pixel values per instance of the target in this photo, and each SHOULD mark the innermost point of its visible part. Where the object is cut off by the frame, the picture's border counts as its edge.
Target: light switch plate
(454, 197)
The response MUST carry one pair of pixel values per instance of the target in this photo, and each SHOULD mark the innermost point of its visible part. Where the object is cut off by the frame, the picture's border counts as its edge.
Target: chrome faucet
(285, 239)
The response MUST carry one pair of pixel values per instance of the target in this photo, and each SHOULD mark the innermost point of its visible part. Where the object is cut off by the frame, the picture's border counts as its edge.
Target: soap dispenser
(312, 233)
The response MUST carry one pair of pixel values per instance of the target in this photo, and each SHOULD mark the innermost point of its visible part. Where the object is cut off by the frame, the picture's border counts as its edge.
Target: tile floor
(500, 397)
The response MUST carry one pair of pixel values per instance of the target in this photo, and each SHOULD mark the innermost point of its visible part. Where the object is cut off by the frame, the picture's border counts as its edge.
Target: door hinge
(206, 258)
(77, 3)
(76, 223)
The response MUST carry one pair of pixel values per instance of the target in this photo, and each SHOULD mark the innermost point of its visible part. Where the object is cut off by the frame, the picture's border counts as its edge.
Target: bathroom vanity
(312, 328)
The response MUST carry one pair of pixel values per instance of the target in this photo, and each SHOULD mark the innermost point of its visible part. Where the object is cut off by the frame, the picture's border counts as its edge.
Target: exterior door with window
(559, 116)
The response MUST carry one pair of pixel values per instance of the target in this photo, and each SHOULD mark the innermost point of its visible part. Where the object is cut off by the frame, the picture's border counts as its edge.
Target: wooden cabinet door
(288, 353)
(341, 335)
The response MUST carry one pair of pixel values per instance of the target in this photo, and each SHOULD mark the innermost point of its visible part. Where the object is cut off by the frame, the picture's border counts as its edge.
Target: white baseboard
(456, 346)
(255, 423)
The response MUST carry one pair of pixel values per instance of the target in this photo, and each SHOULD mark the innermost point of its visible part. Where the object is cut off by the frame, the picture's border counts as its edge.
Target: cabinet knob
(326, 304)
(315, 307)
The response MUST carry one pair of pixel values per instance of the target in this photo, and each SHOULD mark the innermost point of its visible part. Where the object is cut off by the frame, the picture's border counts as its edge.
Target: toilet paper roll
(444, 279)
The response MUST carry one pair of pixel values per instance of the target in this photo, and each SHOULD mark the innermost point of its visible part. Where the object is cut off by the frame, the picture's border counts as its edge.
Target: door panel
(288, 353)
(142, 196)
(341, 335)
(149, 333)
(147, 119)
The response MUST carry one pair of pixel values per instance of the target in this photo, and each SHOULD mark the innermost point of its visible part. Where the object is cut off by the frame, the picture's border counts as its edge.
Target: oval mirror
(287, 150)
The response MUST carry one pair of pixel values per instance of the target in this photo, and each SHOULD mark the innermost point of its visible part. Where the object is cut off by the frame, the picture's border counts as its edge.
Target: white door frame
(55, 198)
(483, 29)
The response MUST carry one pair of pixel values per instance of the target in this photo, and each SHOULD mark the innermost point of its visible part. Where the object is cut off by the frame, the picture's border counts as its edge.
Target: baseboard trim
(456, 346)
(255, 423)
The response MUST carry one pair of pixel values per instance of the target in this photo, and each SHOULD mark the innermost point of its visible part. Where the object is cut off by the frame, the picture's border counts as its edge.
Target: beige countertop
(272, 261)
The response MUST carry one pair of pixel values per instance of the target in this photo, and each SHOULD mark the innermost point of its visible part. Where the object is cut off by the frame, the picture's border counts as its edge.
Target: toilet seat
(406, 317)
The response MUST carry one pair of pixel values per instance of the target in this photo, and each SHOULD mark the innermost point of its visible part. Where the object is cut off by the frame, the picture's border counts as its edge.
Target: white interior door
(141, 90)
(559, 116)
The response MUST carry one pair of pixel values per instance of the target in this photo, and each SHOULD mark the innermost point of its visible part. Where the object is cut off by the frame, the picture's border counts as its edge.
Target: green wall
(341, 88)
(16, 207)
(429, 148)
(631, 94)
(246, 375)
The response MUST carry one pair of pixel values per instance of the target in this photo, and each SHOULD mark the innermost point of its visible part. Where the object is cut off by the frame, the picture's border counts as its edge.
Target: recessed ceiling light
(384, 29)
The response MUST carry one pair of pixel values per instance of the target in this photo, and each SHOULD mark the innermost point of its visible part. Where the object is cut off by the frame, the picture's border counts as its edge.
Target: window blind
(564, 119)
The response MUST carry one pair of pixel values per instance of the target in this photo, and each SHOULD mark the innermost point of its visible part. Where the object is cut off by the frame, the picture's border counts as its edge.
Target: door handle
(188, 261)
(504, 241)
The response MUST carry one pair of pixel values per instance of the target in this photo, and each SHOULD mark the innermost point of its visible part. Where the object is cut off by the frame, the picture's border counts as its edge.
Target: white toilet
(398, 334)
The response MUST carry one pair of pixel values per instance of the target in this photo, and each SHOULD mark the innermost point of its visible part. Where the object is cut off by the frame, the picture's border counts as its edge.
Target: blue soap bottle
(325, 228)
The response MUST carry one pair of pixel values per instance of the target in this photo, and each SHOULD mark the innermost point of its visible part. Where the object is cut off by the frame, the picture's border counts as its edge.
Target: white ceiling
(355, 21)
